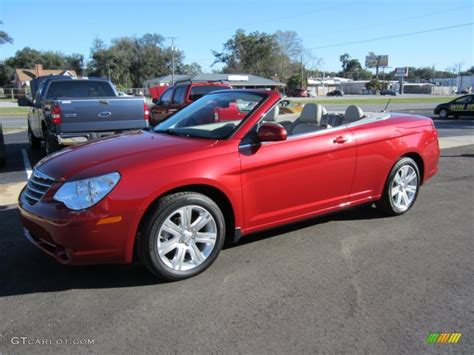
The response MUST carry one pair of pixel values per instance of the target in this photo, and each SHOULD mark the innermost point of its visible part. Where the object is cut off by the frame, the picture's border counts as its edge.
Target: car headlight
(81, 194)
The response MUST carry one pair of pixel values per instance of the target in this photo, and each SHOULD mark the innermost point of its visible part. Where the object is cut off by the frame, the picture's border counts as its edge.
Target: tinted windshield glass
(214, 116)
(199, 91)
(84, 88)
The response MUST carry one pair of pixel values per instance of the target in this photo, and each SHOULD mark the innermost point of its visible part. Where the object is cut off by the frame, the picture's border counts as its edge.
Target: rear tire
(401, 189)
(182, 237)
(51, 144)
(443, 113)
(35, 143)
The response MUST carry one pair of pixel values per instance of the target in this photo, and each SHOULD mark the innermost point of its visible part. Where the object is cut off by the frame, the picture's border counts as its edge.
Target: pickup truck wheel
(182, 237)
(51, 144)
(35, 143)
(401, 188)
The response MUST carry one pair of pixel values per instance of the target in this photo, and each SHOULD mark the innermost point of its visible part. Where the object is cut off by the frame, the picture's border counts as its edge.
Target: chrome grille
(37, 186)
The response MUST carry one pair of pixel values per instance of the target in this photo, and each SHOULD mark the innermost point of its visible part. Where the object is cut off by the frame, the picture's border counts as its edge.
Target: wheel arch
(214, 193)
(419, 161)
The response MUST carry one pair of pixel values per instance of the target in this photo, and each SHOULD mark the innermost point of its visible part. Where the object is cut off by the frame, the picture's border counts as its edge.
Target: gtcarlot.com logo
(443, 338)
(44, 341)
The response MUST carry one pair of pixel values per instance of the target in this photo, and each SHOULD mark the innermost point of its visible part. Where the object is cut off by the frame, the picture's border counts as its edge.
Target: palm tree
(4, 37)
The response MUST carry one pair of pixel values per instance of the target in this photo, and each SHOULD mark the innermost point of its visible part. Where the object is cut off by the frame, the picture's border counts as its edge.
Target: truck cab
(180, 95)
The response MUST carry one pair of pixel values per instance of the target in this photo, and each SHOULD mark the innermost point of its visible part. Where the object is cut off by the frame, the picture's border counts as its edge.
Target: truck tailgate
(105, 114)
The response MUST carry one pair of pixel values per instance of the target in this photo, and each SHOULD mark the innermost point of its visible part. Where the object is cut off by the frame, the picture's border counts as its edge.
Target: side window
(37, 98)
(179, 94)
(166, 97)
(463, 100)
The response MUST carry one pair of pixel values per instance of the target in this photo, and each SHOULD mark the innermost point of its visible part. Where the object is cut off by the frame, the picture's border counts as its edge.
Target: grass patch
(13, 111)
(7, 100)
(379, 100)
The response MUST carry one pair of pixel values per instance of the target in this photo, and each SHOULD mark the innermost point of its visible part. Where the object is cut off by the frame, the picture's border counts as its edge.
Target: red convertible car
(171, 196)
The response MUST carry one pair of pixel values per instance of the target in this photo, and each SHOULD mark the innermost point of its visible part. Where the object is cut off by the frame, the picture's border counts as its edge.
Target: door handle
(340, 139)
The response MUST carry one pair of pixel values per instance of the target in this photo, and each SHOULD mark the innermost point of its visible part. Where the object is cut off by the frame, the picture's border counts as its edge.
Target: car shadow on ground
(364, 212)
(465, 122)
(25, 269)
(458, 156)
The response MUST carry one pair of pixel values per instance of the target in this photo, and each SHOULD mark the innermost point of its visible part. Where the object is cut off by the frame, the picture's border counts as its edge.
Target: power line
(393, 36)
(398, 20)
(282, 18)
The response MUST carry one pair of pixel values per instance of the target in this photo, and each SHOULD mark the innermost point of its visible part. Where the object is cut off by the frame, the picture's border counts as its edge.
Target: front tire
(401, 189)
(183, 236)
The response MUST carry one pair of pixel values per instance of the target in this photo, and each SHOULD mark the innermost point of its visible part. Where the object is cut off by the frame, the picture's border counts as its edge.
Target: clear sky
(204, 25)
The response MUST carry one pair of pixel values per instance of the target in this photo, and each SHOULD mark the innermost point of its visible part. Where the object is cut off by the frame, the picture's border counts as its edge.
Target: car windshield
(214, 116)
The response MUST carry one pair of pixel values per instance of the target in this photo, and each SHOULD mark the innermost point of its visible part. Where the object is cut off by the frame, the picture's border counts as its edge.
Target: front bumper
(76, 237)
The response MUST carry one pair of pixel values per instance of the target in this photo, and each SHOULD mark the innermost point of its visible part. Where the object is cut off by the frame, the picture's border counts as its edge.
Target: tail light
(146, 112)
(56, 115)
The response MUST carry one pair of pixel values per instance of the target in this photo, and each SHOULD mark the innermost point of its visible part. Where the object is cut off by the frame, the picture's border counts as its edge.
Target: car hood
(118, 153)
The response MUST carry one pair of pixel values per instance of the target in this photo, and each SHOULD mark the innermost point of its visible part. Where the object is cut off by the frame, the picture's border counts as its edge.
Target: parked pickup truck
(66, 111)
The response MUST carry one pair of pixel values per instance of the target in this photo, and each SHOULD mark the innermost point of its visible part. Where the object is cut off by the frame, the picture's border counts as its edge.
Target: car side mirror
(271, 132)
(156, 101)
(24, 101)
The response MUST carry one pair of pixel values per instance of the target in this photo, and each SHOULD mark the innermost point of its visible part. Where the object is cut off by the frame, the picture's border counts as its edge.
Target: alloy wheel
(404, 187)
(186, 238)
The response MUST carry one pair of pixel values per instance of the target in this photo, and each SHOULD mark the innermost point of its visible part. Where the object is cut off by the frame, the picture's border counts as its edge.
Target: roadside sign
(401, 72)
(373, 60)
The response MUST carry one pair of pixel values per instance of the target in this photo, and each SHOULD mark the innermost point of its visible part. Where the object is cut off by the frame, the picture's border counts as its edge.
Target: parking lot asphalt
(353, 282)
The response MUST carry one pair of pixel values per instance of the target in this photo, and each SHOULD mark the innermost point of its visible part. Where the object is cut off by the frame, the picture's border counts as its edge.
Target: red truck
(180, 95)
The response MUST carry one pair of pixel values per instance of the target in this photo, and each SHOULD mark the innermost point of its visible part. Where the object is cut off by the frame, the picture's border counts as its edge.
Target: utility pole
(172, 58)
(302, 73)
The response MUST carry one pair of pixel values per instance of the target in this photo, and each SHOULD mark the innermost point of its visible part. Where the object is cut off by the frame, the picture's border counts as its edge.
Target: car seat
(309, 120)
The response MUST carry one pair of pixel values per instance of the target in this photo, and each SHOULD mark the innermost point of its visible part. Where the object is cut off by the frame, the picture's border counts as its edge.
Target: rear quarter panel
(380, 144)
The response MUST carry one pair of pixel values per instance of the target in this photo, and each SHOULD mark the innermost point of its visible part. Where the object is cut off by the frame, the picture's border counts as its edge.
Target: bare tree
(290, 51)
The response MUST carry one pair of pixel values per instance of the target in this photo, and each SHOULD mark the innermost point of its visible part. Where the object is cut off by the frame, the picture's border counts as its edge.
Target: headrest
(353, 113)
(312, 113)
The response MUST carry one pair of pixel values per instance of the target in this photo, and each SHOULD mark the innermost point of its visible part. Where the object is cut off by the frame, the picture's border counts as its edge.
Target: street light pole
(172, 58)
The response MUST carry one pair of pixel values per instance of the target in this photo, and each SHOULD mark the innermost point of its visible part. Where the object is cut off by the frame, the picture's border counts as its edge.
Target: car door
(287, 180)
(462, 106)
(35, 113)
(178, 99)
(160, 110)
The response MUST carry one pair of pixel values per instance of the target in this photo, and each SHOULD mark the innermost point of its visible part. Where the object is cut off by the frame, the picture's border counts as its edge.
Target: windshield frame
(264, 98)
